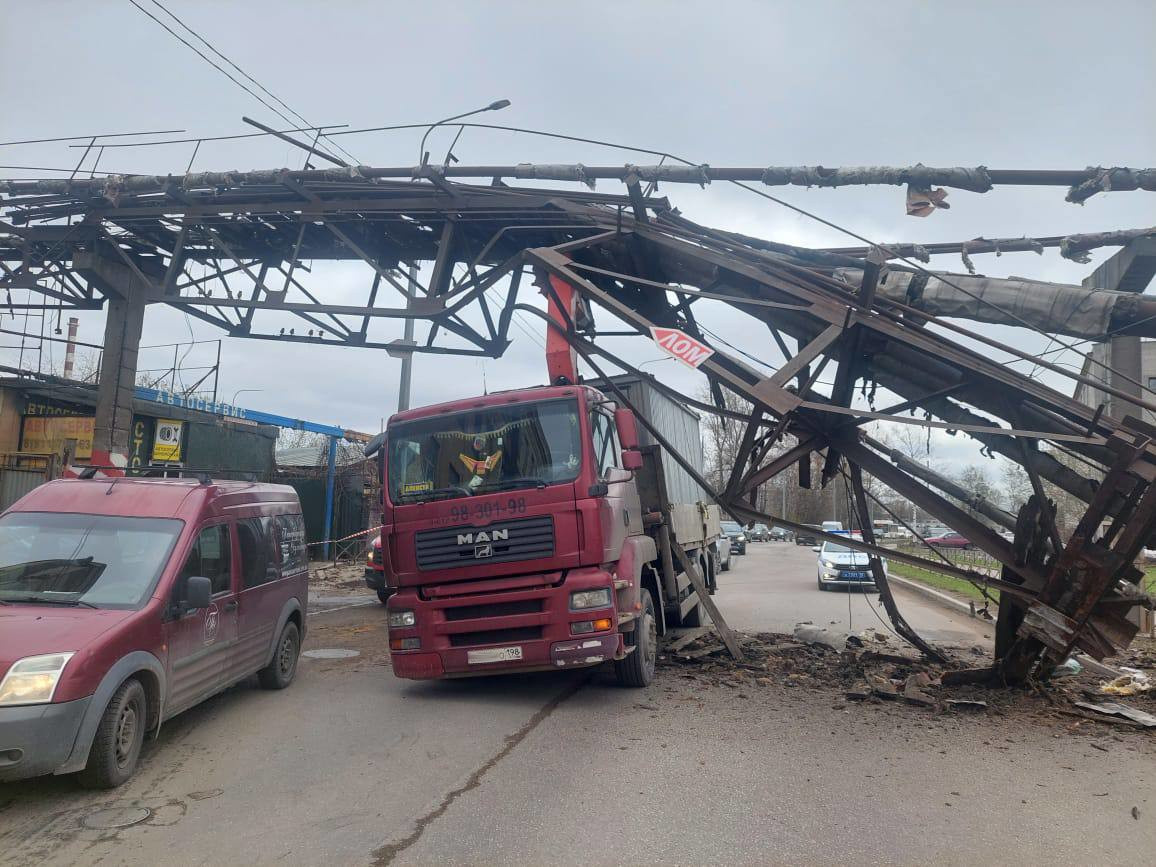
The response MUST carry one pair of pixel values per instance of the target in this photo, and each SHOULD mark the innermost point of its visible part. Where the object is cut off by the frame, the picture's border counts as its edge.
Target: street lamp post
(497, 105)
(233, 402)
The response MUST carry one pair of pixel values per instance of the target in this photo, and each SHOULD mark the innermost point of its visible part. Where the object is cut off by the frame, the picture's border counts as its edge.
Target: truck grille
(500, 542)
(496, 636)
(494, 609)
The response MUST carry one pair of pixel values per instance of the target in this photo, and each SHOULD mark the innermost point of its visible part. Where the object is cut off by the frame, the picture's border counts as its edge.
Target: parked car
(375, 571)
(760, 533)
(807, 537)
(126, 601)
(737, 536)
(840, 566)
(950, 540)
(722, 554)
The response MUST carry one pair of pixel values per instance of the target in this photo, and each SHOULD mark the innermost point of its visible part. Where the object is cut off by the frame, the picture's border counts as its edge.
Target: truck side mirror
(198, 593)
(627, 429)
(631, 459)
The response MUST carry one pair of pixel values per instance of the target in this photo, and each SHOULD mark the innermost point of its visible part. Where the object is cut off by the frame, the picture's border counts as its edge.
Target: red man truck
(533, 530)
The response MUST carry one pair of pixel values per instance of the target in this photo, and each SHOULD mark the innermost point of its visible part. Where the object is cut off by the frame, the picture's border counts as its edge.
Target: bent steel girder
(837, 327)
(240, 254)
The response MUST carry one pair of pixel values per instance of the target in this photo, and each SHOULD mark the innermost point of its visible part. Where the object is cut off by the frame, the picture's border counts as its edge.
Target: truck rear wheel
(637, 669)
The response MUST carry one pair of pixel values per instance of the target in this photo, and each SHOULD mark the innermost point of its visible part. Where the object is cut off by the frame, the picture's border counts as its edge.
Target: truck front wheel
(637, 669)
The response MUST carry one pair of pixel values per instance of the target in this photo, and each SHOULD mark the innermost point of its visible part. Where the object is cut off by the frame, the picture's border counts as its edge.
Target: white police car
(840, 566)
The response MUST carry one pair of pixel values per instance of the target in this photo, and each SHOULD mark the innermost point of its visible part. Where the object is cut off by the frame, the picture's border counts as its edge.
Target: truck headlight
(33, 680)
(583, 599)
(402, 617)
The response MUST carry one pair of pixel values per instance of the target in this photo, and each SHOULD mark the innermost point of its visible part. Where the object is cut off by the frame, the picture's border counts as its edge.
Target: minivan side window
(211, 557)
(291, 541)
(258, 555)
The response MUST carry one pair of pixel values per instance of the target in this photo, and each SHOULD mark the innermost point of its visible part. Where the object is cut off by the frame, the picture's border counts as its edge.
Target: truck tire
(279, 673)
(637, 669)
(116, 748)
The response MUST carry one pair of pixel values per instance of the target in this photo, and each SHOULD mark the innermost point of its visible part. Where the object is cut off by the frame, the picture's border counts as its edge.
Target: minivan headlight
(402, 617)
(33, 679)
(583, 599)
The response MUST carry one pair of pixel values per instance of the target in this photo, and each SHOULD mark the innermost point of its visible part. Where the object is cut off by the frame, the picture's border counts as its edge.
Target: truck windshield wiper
(42, 600)
(506, 484)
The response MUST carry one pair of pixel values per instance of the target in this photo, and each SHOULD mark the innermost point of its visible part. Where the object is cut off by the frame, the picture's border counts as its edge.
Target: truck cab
(512, 532)
(530, 530)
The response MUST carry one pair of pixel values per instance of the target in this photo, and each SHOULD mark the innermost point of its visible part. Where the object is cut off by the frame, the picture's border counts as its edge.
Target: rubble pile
(874, 666)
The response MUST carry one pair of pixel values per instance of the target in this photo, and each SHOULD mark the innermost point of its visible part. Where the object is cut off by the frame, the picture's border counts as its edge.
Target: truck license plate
(494, 654)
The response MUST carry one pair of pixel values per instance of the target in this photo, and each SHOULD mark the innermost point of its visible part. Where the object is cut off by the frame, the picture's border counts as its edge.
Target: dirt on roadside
(875, 669)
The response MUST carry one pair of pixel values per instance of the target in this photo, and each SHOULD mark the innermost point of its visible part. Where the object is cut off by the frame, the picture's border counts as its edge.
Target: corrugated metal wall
(679, 425)
(14, 484)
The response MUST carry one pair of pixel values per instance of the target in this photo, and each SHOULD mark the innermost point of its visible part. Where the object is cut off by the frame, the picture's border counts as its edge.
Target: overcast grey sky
(1023, 85)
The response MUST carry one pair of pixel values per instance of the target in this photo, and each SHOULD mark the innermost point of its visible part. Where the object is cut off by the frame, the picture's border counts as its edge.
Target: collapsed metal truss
(235, 253)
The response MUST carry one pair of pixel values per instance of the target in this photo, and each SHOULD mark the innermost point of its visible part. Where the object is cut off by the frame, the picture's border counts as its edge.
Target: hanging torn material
(1056, 308)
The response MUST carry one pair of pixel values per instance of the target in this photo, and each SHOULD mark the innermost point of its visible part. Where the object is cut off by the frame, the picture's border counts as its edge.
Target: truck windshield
(91, 561)
(499, 448)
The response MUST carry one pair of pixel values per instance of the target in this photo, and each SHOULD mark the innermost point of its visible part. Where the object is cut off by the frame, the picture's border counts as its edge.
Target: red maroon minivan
(126, 601)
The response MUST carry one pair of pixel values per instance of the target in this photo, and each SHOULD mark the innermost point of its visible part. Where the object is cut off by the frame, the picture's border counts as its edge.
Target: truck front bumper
(523, 628)
(38, 738)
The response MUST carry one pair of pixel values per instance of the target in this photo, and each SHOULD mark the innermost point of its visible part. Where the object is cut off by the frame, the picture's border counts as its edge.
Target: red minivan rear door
(262, 593)
(202, 643)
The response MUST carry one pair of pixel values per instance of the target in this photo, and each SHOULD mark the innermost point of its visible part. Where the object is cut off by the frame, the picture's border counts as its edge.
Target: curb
(938, 596)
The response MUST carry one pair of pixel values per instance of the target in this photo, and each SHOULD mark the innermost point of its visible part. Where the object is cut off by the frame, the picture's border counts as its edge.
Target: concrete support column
(122, 334)
(1125, 360)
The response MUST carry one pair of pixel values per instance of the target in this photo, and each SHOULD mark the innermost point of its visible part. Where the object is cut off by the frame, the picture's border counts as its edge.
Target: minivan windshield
(92, 561)
(500, 448)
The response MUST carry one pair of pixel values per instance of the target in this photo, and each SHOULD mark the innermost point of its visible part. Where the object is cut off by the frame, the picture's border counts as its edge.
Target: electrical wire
(264, 89)
(216, 66)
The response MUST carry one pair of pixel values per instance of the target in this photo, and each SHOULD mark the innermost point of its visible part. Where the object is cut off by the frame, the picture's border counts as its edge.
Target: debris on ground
(1132, 682)
(337, 579)
(874, 668)
(1070, 667)
(1114, 709)
(965, 704)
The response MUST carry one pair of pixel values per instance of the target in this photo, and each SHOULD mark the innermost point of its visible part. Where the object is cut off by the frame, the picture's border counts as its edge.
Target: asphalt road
(352, 766)
(773, 587)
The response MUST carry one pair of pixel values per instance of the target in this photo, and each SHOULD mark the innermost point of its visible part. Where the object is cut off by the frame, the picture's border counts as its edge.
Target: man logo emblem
(483, 551)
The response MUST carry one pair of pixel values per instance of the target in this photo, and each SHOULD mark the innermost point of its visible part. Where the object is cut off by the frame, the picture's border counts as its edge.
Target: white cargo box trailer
(676, 505)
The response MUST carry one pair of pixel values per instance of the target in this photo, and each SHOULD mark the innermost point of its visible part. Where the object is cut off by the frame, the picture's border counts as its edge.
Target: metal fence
(20, 473)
